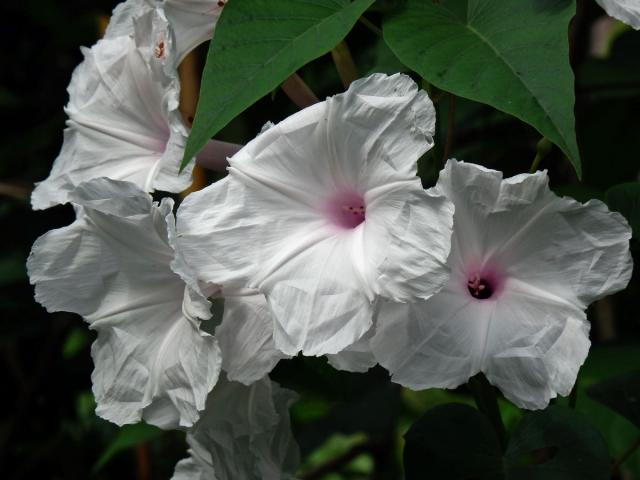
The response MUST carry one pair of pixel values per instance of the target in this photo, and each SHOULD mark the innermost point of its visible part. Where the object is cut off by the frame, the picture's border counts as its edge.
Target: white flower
(116, 266)
(244, 434)
(627, 11)
(525, 264)
(192, 21)
(324, 213)
(123, 123)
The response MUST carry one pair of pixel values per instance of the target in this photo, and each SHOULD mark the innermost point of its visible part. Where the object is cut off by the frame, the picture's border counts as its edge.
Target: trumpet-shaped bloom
(627, 11)
(244, 433)
(123, 121)
(116, 266)
(323, 213)
(525, 264)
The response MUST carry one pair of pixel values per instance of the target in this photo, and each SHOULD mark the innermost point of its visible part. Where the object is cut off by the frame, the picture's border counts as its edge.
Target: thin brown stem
(370, 25)
(298, 91)
(625, 455)
(448, 144)
(345, 65)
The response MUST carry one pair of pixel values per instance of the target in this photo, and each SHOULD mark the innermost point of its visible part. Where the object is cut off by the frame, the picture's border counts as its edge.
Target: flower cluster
(320, 240)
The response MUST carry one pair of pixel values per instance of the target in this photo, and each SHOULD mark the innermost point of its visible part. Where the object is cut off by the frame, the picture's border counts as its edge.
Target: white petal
(244, 434)
(627, 11)
(112, 266)
(246, 339)
(123, 124)
(432, 344)
(414, 232)
(193, 22)
(317, 317)
(357, 357)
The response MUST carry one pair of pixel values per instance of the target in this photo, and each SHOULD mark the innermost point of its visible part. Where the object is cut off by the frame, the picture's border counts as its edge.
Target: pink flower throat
(485, 282)
(346, 209)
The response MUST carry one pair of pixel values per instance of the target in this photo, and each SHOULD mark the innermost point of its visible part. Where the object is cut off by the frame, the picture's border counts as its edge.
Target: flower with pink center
(324, 214)
(525, 264)
(124, 121)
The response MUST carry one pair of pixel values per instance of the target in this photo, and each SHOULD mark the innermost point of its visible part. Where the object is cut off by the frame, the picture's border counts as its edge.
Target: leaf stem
(298, 91)
(345, 65)
(448, 145)
(337, 463)
(370, 25)
(485, 397)
(626, 455)
(543, 147)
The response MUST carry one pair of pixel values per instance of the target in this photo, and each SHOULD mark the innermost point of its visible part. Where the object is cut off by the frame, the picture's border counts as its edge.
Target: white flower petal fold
(246, 339)
(113, 267)
(323, 213)
(192, 21)
(123, 121)
(627, 11)
(244, 433)
(525, 264)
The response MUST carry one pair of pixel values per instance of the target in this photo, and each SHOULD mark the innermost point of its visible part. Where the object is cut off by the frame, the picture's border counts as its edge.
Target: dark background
(48, 428)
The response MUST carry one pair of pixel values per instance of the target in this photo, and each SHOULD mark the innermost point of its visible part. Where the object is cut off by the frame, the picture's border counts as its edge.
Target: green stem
(485, 397)
(543, 147)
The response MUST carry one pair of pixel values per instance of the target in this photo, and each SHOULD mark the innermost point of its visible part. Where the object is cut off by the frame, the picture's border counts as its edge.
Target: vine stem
(485, 397)
(370, 25)
(626, 455)
(345, 65)
(448, 145)
(298, 91)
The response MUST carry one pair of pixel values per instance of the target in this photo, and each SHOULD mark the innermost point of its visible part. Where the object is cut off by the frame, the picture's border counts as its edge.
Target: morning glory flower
(323, 213)
(525, 264)
(124, 121)
(117, 267)
(627, 11)
(244, 433)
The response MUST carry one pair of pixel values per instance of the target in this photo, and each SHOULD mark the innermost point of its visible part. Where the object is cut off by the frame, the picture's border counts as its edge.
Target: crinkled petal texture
(627, 11)
(246, 339)
(192, 21)
(542, 259)
(123, 122)
(112, 266)
(244, 433)
(323, 213)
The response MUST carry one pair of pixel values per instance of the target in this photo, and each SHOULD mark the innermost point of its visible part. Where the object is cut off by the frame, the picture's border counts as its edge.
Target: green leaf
(512, 55)
(127, 437)
(453, 441)
(625, 198)
(621, 394)
(257, 45)
(456, 441)
(561, 444)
